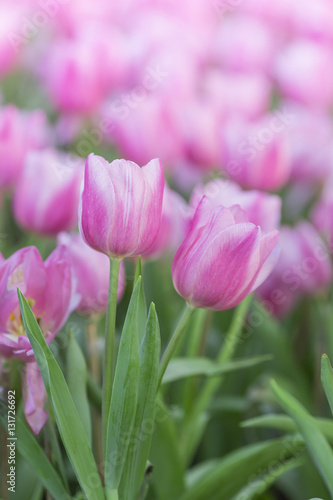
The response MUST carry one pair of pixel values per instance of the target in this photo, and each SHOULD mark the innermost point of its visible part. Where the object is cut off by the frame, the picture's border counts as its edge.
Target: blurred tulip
(92, 271)
(223, 258)
(20, 132)
(175, 222)
(303, 267)
(50, 290)
(47, 194)
(262, 209)
(322, 213)
(121, 206)
(244, 44)
(256, 154)
(299, 72)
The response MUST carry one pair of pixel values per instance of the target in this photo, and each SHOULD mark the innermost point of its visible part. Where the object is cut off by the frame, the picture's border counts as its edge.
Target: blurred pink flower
(175, 222)
(223, 258)
(51, 292)
(299, 73)
(303, 267)
(92, 271)
(256, 154)
(121, 206)
(20, 132)
(262, 209)
(46, 197)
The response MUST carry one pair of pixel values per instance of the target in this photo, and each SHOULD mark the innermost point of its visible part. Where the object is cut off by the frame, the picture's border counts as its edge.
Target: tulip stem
(227, 351)
(109, 356)
(173, 342)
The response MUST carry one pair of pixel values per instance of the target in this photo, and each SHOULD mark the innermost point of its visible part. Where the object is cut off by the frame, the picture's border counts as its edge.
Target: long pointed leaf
(34, 455)
(138, 453)
(68, 420)
(317, 444)
(124, 394)
(327, 379)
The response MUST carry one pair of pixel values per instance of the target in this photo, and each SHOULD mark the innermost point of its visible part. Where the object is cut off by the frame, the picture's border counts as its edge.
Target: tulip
(176, 217)
(121, 206)
(262, 209)
(322, 213)
(50, 290)
(299, 71)
(256, 155)
(223, 258)
(92, 271)
(303, 267)
(46, 197)
(19, 133)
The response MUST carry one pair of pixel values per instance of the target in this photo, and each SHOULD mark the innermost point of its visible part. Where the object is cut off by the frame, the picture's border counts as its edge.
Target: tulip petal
(34, 397)
(269, 254)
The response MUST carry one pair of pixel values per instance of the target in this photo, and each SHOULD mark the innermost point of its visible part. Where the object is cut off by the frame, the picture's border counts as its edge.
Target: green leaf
(143, 428)
(327, 379)
(191, 367)
(287, 424)
(124, 394)
(30, 450)
(233, 473)
(68, 421)
(77, 383)
(266, 480)
(168, 477)
(317, 444)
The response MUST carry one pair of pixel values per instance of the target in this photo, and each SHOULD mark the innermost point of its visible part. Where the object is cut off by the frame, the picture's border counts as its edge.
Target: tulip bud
(223, 258)
(47, 195)
(92, 271)
(121, 206)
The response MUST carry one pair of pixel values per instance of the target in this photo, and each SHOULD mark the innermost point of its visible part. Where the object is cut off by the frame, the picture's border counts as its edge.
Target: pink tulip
(244, 44)
(47, 194)
(121, 206)
(92, 271)
(175, 222)
(303, 267)
(262, 209)
(322, 213)
(310, 139)
(299, 71)
(223, 258)
(20, 132)
(256, 154)
(50, 290)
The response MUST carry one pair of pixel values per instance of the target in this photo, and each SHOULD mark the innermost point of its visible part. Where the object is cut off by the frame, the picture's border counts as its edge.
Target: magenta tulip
(20, 132)
(223, 258)
(47, 194)
(92, 270)
(121, 206)
(50, 290)
(262, 209)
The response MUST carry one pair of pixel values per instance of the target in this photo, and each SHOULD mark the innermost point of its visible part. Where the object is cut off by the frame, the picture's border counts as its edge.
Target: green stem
(173, 342)
(227, 351)
(112, 495)
(109, 355)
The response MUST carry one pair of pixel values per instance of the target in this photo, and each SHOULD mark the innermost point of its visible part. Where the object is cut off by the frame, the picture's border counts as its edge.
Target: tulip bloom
(303, 267)
(262, 209)
(50, 290)
(223, 258)
(46, 197)
(121, 206)
(19, 133)
(92, 270)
